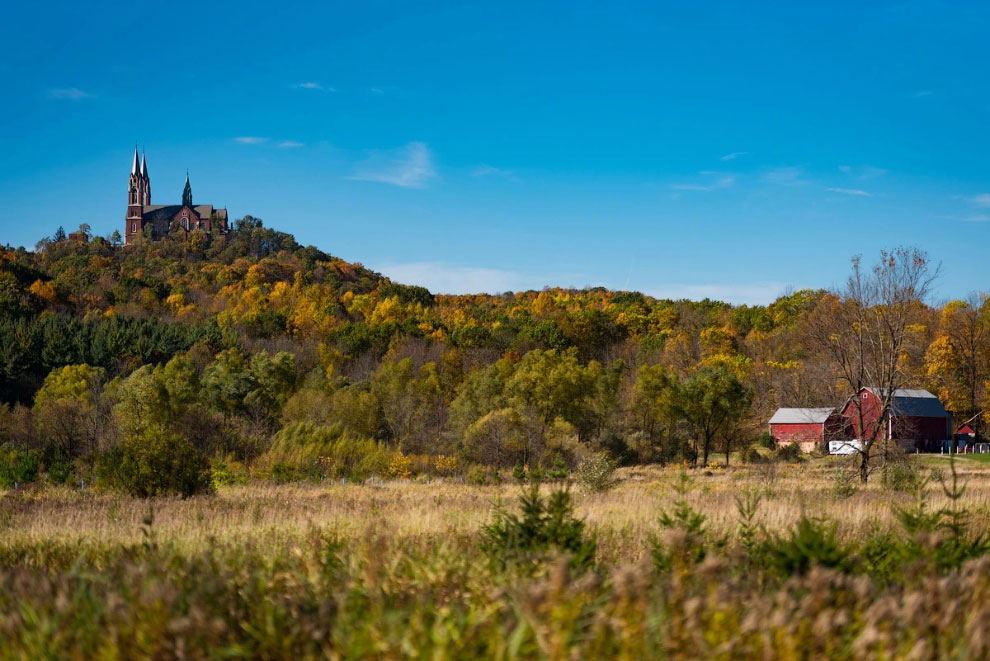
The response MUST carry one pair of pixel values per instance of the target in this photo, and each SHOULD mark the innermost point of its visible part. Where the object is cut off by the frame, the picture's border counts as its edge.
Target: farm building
(918, 421)
(808, 427)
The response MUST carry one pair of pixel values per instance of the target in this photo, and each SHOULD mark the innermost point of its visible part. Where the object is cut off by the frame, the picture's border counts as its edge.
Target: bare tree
(865, 330)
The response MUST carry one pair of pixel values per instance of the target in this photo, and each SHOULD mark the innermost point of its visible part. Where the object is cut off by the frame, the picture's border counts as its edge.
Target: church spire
(187, 193)
(144, 166)
(135, 169)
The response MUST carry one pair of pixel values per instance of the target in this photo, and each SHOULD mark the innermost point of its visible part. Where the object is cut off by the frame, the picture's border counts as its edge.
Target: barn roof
(919, 403)
(801, 416)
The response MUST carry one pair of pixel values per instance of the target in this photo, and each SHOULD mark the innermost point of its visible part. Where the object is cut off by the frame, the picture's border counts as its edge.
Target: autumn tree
(958, 360)
(865, 329)
(712, 400)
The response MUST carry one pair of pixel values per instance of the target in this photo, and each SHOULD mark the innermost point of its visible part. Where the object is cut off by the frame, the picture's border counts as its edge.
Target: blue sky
(719, 149)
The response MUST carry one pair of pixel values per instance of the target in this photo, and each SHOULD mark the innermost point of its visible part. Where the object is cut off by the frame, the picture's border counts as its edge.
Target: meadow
(790, 560)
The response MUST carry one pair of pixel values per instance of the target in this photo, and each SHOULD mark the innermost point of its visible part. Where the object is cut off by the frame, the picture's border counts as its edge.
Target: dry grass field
(398, 570)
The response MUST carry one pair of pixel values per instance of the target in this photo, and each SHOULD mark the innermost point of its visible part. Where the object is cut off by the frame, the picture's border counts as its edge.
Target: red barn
(809, 428)
(917, 418)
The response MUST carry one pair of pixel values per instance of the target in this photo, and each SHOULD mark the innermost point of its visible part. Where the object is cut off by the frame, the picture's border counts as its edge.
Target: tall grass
(401, 570)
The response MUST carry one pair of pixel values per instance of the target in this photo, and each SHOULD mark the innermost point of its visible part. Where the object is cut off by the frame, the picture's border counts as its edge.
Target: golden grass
(623, 519)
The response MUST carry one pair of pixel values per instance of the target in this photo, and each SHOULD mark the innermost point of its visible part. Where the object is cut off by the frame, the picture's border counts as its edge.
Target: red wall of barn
(905, 427)
(871, 411)
(793, 432)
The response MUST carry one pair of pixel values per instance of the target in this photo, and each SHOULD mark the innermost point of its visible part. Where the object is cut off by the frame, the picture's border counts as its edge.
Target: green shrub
(543, 526)
(596, 474)
(898, 476)
(153, 462)
(688, 543)
(752, 456)
(789, 452)
(558, 470)
(844, 483)
(314, 451)
(18, 466)
(811, 542)
(284, 473)
(766, 440)
(223, 474)
(482, 475)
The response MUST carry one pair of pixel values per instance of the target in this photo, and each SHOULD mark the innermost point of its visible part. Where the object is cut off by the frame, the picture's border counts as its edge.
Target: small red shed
(808, 427)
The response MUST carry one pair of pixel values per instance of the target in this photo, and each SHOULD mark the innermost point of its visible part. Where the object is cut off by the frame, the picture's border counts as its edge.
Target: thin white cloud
(314, 86)
(376, 90)
(733, 156)
(757, 293)
(70, 93)
(922, 93)
(721, 182)
(863, 172)
(784, 176)
(981, 200)
(977, 218)
(250, 140)
(289, 144)
(409, 167)
(485, 170)
(849, 191)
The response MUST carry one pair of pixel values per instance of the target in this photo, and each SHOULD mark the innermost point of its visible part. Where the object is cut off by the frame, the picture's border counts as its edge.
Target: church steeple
(138, 195)
(187, 193)
(146, 182)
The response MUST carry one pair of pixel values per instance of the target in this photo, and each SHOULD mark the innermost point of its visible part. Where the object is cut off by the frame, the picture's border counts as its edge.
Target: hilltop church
(165, 218)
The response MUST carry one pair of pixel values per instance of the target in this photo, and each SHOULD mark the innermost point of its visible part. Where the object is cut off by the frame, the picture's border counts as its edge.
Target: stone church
(165, 218)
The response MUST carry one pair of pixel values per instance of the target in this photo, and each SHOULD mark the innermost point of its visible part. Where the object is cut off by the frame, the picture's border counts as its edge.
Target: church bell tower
(138, 196)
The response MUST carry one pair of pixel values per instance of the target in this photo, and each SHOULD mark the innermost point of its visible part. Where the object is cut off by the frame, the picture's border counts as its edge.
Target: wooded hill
(279, 351)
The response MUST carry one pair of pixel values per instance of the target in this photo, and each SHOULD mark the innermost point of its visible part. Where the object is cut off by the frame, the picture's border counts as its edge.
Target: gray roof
(802, 416)
(919, 403)
(158, 211)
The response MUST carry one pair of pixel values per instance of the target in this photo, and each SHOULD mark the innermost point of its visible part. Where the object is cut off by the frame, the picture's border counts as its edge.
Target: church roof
(167, 211)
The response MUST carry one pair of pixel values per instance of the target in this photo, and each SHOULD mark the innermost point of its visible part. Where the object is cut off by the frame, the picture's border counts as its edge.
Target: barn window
(866, 395)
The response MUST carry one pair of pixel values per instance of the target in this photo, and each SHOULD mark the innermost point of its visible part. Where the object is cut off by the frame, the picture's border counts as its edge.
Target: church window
(134, 227)
(133, 196)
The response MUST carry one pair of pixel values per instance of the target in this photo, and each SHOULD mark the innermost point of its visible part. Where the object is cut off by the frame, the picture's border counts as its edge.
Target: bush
(482, 475)
(844, 483)
(60, 472)
(154, 462)
(687, 541)
(224, 472)
(315, 451)
(18, 466)
(766, 440)
(789, 452)
(543, 526)
(596, 474)
(898, 476)
(752, 455)
(811, 542)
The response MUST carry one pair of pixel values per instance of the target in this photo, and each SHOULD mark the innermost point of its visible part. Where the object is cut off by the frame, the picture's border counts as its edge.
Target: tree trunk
(864, 466)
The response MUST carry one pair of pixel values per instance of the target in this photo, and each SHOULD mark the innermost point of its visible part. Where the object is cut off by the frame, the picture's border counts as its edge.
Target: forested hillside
(251, 355)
